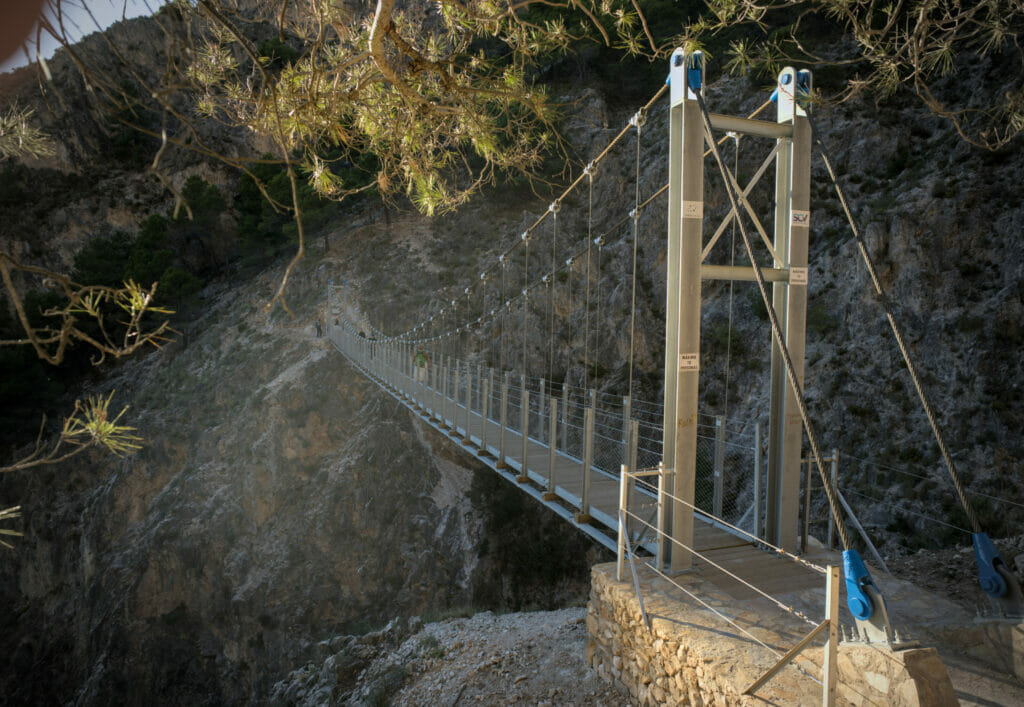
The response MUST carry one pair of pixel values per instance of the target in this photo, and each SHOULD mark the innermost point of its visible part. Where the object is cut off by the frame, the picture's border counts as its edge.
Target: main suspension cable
(638, 120)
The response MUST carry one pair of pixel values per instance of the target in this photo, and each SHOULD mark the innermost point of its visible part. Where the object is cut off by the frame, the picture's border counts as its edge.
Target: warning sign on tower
(689, 362)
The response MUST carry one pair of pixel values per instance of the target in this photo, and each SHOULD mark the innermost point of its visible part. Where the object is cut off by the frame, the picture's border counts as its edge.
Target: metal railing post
(420, 389)
(524, 421)
(490, 383)
(410, 379)
(433, 390)
(632, 443)
(719, 465)
(502, 422)
(522, 398)
(757, 480)
(479, 379)
(540, 412)
(425, 397)
(627, 415)
(662, 520)
(402, 377)
(588, 460)
(406, 371)
(455, 399)
(623, 510)
(485, 404)
(565, 415)
(552, 436)
(829, 668)
(469, 400)
(399, 351)
(442, 384)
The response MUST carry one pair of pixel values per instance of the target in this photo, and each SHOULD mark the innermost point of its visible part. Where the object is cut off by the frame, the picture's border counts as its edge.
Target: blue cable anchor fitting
(803, 87)
(694, 68)
(858, 579)
(989, 561)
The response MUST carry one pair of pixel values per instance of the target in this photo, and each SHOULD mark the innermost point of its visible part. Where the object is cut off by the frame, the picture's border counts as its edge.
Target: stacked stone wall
(689, 656)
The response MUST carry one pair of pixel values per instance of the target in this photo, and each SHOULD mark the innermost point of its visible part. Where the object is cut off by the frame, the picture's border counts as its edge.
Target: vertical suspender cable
(494, 339)
(568, 284)
(526, 291)
(597, 320)
(638, 122)
(551, 297)
(503, 324)
(586, 299)
(732, 262)
(568, 309)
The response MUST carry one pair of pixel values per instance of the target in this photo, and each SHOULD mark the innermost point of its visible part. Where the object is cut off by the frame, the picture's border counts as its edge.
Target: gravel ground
(511, 659)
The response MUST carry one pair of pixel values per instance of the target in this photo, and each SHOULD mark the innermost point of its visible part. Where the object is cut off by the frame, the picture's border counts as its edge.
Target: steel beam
(748, 126)
(742, 272)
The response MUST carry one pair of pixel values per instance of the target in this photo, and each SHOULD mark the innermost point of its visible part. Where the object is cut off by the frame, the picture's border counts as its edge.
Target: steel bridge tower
(686, 269)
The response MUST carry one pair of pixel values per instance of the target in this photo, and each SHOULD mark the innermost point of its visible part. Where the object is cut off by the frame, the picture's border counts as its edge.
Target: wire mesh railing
(589, 431)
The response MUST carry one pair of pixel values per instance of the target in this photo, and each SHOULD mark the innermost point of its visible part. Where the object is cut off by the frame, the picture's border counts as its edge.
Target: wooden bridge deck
(730, 551)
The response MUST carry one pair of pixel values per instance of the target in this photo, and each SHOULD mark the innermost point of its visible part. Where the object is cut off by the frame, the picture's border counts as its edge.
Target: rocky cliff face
(280, 498)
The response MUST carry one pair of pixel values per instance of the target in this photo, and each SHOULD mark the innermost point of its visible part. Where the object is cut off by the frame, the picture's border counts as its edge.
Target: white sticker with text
(693, 209)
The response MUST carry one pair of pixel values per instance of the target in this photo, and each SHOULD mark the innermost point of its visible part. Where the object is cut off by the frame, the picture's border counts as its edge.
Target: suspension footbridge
(660, 482)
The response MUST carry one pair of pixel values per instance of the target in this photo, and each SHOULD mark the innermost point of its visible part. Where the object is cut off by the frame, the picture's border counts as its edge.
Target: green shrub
(104, 260)
(150, 257)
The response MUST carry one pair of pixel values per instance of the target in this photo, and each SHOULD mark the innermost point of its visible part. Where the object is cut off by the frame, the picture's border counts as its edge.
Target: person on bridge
(421, 361)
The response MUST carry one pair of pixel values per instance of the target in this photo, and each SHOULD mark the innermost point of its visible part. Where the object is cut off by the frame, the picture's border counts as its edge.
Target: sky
(79, 23)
